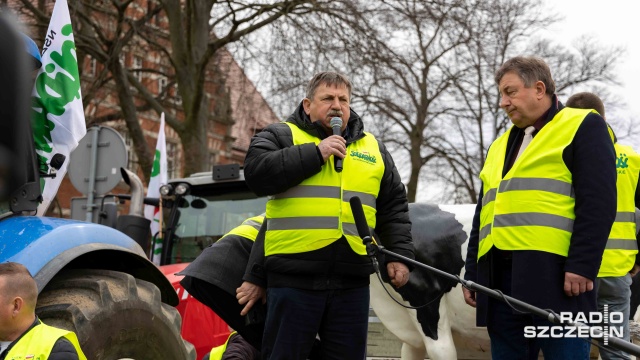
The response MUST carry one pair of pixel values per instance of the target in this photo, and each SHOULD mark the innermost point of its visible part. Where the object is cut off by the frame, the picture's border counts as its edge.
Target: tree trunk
(129, 113)
(195, 141)
(414, 176)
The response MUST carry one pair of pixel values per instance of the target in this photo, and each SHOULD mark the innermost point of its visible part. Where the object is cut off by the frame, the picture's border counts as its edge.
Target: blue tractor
(92, 279)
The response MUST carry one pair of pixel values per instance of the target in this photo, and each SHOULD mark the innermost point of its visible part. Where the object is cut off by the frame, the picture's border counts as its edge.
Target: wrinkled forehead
(510, 80)
(332, 89)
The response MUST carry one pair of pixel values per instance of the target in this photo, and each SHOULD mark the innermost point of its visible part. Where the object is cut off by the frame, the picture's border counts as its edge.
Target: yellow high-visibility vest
(38, 342)
(248, 229)
(218, 351)
(532, 207)
(622, 247)
(316, 212)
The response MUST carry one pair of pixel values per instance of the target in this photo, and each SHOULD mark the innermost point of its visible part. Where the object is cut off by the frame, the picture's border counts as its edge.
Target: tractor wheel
(114, 315)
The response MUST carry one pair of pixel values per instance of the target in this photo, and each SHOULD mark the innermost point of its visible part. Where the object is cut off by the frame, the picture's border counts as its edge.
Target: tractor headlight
(166, 190)
(182, 189)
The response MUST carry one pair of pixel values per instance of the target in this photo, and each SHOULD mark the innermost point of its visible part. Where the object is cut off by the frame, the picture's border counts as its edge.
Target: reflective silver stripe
(485, 231)
(309, 191)
(306, 223)
(550, 185)
(254, 224)
(351, 229)
(366, 199)
(534, 219)
(625, 216)
(622, 244)
(489, 196)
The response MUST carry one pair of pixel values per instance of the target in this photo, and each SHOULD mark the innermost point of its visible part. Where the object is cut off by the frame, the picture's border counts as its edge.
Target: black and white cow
(440, 235)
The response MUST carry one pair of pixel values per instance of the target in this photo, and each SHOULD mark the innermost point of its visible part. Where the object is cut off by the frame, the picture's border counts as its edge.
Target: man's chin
(516, 120)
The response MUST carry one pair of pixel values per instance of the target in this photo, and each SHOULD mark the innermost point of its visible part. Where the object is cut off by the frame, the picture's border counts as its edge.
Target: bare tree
(507, 31)
(198, 29)
(423, 73)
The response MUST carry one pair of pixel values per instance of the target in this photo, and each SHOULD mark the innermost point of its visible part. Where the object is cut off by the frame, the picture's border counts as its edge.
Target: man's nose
(335, 104)
(504, 101)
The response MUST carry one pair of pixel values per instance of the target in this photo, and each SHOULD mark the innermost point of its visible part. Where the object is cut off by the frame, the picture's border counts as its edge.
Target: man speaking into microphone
(312, 258)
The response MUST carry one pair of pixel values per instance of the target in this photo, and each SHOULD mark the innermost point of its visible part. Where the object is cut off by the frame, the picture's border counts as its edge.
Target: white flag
(157, 179)
(58, 116)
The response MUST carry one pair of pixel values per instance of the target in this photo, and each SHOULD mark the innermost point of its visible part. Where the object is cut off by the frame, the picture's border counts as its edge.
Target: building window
(213, 160)
(176, 95)
(158, 18)
(132, 162)
(162, 84)
(172, 164)
(92, 67)
(137, 68)
(155, 20)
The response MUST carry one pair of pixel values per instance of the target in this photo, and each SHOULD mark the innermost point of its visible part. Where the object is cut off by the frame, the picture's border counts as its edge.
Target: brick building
(236, 109)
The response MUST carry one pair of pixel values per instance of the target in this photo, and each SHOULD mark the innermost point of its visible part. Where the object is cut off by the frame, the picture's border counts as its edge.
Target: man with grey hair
(22, 334)
(312, 259)
(544, 213)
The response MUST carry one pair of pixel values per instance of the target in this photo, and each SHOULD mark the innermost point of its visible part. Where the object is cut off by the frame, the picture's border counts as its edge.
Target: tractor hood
(47, 245)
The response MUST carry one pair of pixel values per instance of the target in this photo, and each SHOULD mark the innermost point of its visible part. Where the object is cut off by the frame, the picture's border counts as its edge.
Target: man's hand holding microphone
(335, 144)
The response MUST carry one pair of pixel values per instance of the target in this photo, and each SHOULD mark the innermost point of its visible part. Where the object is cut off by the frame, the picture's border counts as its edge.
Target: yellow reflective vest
(248, 229)
(316, 212)
(532, 207)
(218, 351)
(620, 254)
(38, 342)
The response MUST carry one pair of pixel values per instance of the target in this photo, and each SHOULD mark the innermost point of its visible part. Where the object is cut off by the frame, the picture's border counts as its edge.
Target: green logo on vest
(621, 163)
(364, 156)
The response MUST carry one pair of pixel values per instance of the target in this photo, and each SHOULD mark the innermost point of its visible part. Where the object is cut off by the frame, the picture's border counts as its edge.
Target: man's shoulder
(63, 349)
(277, 130)
(279, 127)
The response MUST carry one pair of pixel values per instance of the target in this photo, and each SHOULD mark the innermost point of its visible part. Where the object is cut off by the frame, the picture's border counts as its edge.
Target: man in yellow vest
(312, 258)
(219, 351)
(216, 273)
(544, 214)
(22, 334)
(620, 260)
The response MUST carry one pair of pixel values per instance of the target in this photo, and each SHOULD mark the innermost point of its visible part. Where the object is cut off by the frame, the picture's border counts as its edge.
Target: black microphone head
(57, 161)
(336, 122)
(358, 216)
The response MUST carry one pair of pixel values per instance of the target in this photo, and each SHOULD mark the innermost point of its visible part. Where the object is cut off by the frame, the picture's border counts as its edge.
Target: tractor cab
(200, 209)
(197, 211)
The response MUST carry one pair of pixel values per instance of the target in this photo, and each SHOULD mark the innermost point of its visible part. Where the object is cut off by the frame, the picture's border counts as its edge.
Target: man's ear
(541, 89)
(18, 303)
(306, 104)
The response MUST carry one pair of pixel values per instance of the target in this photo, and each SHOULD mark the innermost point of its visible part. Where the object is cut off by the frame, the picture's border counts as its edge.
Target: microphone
(363, 230)
(336, 125)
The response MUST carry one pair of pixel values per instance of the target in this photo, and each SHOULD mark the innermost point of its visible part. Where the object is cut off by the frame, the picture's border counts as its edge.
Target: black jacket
(273, 164)
(223, 263)
(538, 277)
(62, 349)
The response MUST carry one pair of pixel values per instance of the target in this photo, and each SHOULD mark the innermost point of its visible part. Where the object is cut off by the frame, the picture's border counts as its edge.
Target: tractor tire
(114, 315)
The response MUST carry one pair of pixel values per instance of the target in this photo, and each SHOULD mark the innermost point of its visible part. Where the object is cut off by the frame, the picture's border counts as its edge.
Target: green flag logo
(54, 93)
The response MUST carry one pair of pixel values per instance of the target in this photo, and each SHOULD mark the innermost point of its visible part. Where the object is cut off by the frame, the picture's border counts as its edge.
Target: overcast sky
(612, 22)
